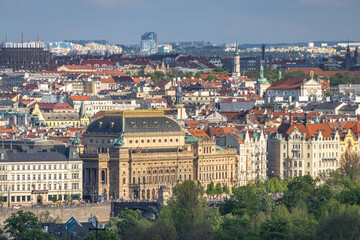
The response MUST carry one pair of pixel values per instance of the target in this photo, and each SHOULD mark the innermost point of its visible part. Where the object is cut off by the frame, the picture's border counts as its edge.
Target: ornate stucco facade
(131, 154)
(297, 149)
(29, 177)
(252, 156)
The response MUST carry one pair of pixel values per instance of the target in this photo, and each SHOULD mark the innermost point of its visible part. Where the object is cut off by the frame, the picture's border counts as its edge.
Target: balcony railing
(329, 158)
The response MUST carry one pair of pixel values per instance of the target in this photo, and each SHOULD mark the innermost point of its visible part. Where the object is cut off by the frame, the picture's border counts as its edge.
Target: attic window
(100, 124)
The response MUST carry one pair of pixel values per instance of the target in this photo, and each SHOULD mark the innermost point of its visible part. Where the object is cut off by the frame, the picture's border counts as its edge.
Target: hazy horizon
(123, 21)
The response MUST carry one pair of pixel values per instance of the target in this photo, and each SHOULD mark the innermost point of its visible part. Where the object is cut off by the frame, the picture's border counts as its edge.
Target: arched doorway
(148, 194)
(39, 200)
(143, 194)
(153, 194)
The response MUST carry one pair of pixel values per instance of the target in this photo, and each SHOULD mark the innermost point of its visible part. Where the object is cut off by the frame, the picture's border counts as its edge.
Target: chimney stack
(291, 119)
(263, 52)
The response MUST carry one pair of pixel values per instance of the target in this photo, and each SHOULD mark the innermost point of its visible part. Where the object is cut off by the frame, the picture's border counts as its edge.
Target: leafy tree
(165, 228)
(212, 78)
(281, 212)
(318, 200)
(128, 219)
(226, 189)
(251, 199)
(328, 94)
(276, 228)
(343, 223)
(303, 229)
(68, 199)
(102, 235)
(219, 70)
(24, 225)
(296, 74)
(218, 189)
(298, 188)
(210, 190)
(187, 209)
(350, 165)
(332, 69)
(2, 199)
(54, 199)
(236, 228)
(2, 237)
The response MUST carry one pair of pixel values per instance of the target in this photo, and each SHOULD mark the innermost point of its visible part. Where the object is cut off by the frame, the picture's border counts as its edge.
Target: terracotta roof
(111, 73)
(76, 67)
(232, 115)
(59, 106)
(98, 115)
(192, 124)
(199, 133)
(92, 62)
(80, 98)
(354, 127)
(107, 80)
(157, 100)
(221, 132)
(285, 84)
(309, 130)
(219, 76)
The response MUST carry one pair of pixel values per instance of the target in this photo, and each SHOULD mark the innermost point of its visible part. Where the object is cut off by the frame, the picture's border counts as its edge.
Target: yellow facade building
(131, 154)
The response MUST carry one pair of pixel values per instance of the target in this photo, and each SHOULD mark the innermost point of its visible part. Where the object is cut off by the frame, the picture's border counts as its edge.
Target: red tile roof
(221, 132)
(77, 67)
(309, 130)
(62, 106)
(80, 98)
(107, 80)
(192, 124)
(98, 115)
(199, 133)
(219, 76)
(285, 84)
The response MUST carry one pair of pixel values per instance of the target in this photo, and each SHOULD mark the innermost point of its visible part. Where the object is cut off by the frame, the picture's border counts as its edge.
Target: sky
(123, 21)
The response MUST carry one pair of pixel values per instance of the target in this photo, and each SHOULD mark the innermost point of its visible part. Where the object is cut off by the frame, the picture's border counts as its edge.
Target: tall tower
(236, 71)
(261, 83)
(179, 104)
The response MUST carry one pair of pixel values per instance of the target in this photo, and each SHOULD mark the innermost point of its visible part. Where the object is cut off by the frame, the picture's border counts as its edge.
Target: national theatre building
(131, 154)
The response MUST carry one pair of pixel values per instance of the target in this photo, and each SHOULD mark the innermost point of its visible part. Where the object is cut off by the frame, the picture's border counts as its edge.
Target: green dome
(261, 79)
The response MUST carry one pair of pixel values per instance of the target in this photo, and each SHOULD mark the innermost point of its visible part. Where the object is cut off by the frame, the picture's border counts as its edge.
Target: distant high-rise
(148, 44)
(30, 56)
(149, 36)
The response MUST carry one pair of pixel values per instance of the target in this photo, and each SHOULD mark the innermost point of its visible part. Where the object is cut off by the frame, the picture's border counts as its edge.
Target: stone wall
(61, 215)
